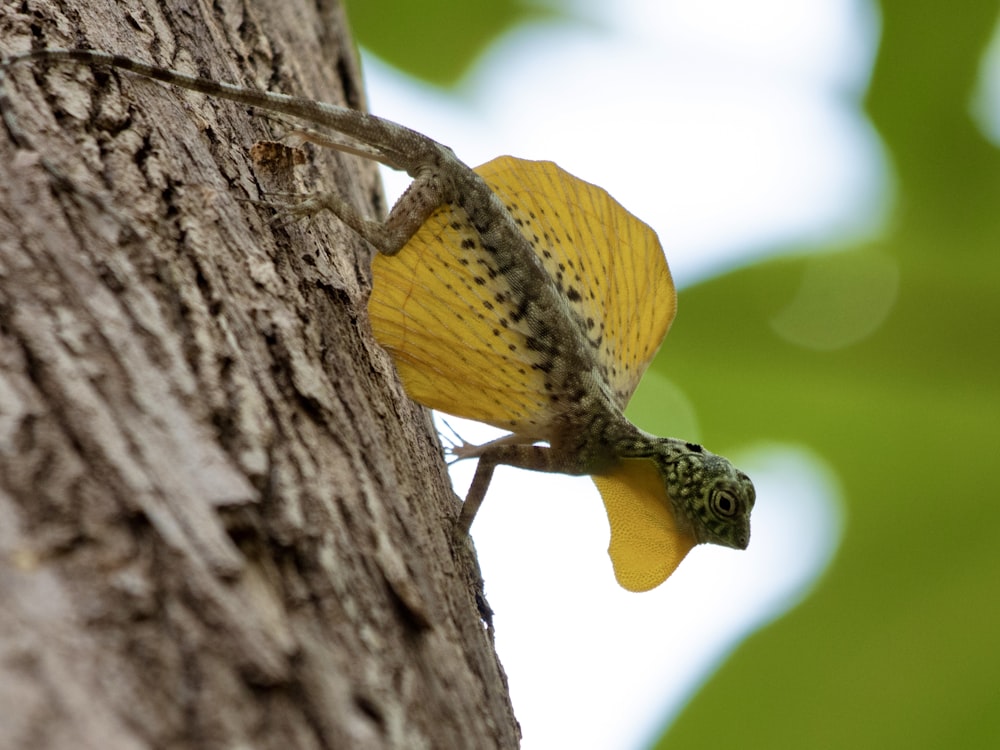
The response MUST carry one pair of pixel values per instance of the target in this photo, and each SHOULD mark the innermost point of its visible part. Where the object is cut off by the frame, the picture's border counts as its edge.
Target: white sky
(734, 130)
(986, 97)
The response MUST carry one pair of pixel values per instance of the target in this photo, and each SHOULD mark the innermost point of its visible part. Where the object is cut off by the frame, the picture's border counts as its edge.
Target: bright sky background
(986, 98)
(734, 130)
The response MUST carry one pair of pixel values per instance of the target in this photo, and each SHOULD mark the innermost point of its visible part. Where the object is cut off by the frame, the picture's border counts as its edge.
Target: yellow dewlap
(646, 543)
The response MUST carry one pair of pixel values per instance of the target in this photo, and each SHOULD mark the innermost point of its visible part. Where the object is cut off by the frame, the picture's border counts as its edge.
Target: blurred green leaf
(437, 40)
(896, 648)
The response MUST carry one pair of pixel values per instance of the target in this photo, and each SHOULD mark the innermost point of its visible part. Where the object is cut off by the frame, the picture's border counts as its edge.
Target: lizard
(521, 296)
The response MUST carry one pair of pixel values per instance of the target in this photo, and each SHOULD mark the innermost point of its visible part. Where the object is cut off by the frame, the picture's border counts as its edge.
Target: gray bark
(222, 522)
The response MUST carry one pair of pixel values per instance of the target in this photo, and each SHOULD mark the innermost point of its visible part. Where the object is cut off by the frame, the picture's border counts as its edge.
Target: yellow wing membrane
(451, 327)
(608, 264)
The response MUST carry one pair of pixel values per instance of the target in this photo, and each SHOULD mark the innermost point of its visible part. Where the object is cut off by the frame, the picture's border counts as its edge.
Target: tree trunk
(222, 522)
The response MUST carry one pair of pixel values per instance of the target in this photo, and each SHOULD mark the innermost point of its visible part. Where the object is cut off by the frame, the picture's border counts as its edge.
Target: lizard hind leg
(424, 195)
(308, 206)
(297, 136)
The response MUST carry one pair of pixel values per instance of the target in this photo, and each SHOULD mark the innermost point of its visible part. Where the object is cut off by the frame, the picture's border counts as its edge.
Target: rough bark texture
(222, 523)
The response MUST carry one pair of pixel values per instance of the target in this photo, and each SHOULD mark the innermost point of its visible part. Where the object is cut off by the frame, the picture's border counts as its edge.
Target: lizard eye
(724, 504)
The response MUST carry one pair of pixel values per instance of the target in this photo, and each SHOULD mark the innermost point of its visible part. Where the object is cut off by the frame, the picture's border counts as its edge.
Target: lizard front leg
(531, 457)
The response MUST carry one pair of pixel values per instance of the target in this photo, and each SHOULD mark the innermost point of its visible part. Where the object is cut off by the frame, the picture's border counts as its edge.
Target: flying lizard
(520, 296)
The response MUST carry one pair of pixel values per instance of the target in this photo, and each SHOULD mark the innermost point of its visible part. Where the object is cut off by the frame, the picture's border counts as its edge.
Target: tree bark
(222, 522)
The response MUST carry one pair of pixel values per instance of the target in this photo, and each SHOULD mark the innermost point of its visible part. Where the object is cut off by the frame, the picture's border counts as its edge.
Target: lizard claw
(455, 445)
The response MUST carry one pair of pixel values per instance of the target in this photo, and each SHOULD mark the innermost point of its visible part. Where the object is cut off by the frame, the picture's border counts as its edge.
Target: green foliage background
(899, 645)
